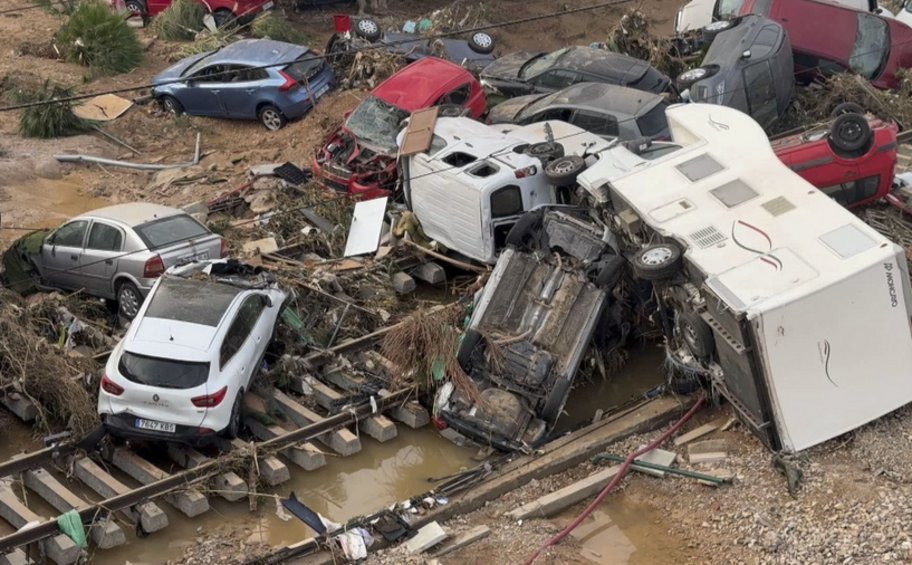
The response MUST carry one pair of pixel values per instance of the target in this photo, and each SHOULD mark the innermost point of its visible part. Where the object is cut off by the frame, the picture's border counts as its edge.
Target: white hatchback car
(180, 372)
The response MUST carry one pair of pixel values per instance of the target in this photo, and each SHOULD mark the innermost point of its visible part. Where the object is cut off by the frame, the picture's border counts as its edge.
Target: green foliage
(270, 25)
(55, 119)
(96, 36)
(59, 7)
(181, 21)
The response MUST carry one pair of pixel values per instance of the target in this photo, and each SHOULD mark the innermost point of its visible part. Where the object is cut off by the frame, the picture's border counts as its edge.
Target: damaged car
(359, 157)
(116, 253)
(194, 348)
(748, 67)
(527, 72)
(531, 327)
(603, 109)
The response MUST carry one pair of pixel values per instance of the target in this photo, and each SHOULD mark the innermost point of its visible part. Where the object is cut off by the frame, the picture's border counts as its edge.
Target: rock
(403, 283)
(262, 201)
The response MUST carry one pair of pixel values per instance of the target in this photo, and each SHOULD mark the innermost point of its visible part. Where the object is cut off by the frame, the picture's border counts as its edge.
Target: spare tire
(657, 262)
(526, 227)
(564, 170)
(545, 151)
(368, 29)
(696, 334)
(850, 134)
(847, 108)
(481, 42)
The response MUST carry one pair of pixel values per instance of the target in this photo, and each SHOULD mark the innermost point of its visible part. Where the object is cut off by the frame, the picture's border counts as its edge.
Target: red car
(829, 38)
(852, 160)
(359, 157)
(223, 11)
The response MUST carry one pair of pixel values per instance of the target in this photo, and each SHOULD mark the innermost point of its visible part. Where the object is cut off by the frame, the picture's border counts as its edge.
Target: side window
(759, 83)
(71, 234)
(246, 74)
(599, 124)
(460, 96)
(557, 79)
(437, 145)
(850, 193)
(560, 114)
(243, 323)
(104, 237)
(506, 201)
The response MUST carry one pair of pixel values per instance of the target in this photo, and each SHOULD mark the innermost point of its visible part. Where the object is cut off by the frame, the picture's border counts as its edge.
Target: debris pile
(632, 36)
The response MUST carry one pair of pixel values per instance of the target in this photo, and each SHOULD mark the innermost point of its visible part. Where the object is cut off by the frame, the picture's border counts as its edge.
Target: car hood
(507, 111)
(508, 66)
(176, 70)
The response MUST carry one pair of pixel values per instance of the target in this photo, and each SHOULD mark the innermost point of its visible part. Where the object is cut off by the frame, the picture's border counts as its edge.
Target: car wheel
(368, 29)
(689, 78)
(129, 300)
(481, 43)
(271, 118)
(850, 133)
(657, 262)
(564, 170)
(224, 18)
(171, 105)
(525, 228)
(233, 428)
(712, 30)
(847, 108)
(545, 151)
(451, 111)
(137, 7)
(696, 334)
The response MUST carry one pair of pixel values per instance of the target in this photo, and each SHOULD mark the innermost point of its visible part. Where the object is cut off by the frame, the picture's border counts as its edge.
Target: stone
(403, 283)
(260, 246)
(464, 539)
(656, 457)
(263, 201)
(426, 538)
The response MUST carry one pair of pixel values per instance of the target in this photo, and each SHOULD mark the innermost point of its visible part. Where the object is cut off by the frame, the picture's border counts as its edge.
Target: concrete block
(106, 534)
(426, 538)
(379, 427)
(431, 273)
(341, 441)
(229, 485)
(696, 433)
(709, 446)
(304, 455)
(403, 283)
(17, 557)
(454, 436)
(190, 502)
(656, 457)
(463, 540)
(20, 406)
(326, 397)
(566, 497)
(148, 514)
(340, 377)
(266, 170)
(411, 414)
(273, 471)
(60, 549)
(711, 457)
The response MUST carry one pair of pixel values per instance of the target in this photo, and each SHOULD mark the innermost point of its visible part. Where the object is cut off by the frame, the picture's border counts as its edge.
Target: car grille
(336, 170)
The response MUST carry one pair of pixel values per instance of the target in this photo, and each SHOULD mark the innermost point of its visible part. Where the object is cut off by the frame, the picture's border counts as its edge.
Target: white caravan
(795, 309)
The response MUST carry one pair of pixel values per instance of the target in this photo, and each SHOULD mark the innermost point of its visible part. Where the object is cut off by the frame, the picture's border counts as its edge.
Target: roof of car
(259, 51)
(602, 62)
(420, 84)
(134, 213)
(605, 97)
(728, 46)
(202, 302)
(802, 20)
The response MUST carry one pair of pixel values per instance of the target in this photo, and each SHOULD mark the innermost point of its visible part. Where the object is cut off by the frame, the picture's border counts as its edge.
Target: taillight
(290, 82)
(223, 252)
(527, 172)
(154, 267)
(110, 386)
(210, 400)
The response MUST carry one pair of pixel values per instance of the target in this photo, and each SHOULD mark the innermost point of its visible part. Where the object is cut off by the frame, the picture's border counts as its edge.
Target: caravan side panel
(841, 357)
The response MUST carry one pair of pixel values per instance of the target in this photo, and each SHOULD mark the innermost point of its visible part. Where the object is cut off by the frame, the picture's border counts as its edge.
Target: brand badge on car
(155, 398)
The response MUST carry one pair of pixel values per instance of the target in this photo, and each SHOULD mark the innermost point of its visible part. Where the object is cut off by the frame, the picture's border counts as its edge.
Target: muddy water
(624, 532)
(377, 476)
(642, 373)
(42, 203)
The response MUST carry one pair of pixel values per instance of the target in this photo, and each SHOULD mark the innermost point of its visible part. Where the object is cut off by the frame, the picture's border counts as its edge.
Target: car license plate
(323, 90)
(154, 426)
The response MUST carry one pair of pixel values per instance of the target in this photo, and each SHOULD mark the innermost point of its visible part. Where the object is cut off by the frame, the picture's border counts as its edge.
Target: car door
(60, 255)
(239, 351)
(157, 6)
(506, 208)
(244, 88)
(99, 260)
(201, 95)
(761, 93)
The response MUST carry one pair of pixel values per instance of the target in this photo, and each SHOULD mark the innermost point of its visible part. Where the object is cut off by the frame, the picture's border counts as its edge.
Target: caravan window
(459, 159)
(437, 145)
(506, 201)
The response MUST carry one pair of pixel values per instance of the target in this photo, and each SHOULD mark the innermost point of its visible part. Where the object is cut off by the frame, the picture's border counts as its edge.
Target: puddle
(641, 373)
(42, 203)
(624, 532)
(378, 475)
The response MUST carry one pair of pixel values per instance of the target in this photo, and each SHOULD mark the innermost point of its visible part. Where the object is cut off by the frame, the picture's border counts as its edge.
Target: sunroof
(733, 193)
(699, 167)
(188, 300)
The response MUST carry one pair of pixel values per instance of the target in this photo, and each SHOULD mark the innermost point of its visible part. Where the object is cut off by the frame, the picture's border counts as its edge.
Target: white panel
(367, 223)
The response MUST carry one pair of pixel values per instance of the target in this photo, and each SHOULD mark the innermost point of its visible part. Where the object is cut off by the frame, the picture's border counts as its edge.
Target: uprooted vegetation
(632, 36)
(99, 38)
(180, 21)
(54, 119)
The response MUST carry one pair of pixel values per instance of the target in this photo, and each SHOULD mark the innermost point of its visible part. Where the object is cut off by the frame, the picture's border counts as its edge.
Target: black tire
(233, 428)
(657, 262)
(481, 42)
(545, 151)
(368, 29)
(564, 170)
(271, 117)
(850, 133)
(171, 105)
(224, 18)
(527, 225)
(129, 300)
(696, 334)
(712, 30)
(847, 108)
(689, 77)
(451, 111)
(684, 384)
(467, 347)
(136, 7)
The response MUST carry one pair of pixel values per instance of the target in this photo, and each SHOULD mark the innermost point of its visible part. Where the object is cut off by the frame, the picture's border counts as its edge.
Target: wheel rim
(850, 132)
(129, 302)
(170, 106)
(563, 167)
(482, 40)
(693, 74)
(134, 8)
(543, 149)
(271, 119)
(368, 27)
(656, 256)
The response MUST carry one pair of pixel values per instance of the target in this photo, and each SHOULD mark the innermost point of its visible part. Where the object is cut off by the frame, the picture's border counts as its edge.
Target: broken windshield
(872, 46)
(543, 63)
(377, 122)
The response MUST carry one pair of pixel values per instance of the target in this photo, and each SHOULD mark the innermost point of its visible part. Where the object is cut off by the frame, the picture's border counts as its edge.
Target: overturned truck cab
(793, 309)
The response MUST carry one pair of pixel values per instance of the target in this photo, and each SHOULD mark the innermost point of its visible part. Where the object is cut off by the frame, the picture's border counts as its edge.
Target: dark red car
(828, 38)
(359, 157)
(852, 160)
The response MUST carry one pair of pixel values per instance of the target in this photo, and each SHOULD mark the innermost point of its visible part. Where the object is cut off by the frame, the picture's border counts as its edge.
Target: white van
(796, 310)
(475, 181)
(698, 14)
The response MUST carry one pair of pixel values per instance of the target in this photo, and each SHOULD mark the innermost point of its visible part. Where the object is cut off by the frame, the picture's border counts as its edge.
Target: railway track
(336, 406)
